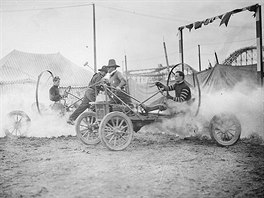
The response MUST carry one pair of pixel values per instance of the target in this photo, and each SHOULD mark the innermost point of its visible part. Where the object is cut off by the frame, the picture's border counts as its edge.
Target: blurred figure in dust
(54, 92)
(55, 96)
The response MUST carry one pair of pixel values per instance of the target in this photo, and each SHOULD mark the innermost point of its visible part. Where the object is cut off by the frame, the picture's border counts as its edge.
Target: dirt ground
(154, 165)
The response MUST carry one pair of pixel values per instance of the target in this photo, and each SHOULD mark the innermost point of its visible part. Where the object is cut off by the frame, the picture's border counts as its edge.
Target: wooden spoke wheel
(225, 129)
(17, 124)
(116, 131)
(87, 128)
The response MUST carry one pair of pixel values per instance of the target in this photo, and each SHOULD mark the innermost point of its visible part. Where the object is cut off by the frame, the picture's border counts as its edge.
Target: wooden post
(166, 56)
(126, 74)
(199, 58)
(216, 58)
(94, 34)
(259, 45)
(181, 47)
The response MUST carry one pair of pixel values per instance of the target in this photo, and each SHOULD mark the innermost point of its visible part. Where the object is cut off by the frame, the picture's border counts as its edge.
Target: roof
(20, 66)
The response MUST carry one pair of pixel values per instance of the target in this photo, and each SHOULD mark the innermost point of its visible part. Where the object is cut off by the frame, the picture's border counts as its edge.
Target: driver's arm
(185, 92)
(169, 87)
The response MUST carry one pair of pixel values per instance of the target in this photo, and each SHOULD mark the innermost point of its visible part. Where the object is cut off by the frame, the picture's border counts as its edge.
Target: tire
(87, 128)
(17, 124)
(225, 129)
(116, 131)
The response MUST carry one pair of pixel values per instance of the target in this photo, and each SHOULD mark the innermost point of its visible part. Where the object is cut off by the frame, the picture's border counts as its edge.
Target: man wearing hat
(90, 94)
(117, 81)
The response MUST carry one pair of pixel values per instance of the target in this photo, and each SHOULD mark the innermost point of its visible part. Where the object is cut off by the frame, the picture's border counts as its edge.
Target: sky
(131, 28)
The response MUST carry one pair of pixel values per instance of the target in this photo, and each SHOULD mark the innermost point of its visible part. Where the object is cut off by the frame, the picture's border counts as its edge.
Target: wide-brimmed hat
(56, 78)
(112, 63)
(104, 68)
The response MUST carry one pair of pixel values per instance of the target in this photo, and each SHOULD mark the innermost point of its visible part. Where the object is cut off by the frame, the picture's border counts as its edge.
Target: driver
(182, 90)
(54, 92)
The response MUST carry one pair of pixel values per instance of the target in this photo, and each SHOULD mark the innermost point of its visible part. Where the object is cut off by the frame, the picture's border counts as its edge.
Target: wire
(49, 8)
(82, 5)
(142, 14)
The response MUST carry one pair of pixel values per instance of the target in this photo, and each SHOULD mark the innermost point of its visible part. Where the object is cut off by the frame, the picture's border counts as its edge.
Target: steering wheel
(194, 85)
(67, 91)
(38, 87)
(161, 90)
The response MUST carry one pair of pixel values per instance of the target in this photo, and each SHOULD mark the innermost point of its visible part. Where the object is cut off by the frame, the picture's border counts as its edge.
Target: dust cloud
(244, 101)
(48, 124)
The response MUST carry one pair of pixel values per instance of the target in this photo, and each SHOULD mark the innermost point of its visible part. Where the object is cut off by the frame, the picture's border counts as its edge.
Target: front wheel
(17, 124)
(87, 128)
(225, 129)
(116, 131)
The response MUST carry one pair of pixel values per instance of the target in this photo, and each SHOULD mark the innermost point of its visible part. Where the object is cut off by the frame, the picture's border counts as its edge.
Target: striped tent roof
(9, 75)
(20, 66)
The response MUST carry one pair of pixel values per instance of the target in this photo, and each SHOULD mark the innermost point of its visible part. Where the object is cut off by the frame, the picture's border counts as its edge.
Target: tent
(225, 77)
(19, 73)
(19, 67)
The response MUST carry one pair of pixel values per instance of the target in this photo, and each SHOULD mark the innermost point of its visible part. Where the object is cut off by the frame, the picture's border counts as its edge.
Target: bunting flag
(223, 17)
(226, 18)
(190, 26)
(198, 24)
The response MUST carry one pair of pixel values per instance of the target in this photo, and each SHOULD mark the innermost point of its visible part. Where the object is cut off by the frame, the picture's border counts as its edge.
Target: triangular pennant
(226, 18)
(190, 26)
(198, 24)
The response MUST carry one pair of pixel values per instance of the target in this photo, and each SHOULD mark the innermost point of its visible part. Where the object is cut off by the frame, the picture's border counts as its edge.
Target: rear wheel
(87, 128)
(17, 124)
(225, 129)
(116, 131)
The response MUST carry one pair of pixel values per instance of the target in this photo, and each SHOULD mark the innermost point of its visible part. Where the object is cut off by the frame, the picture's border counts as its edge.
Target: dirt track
(154, 165)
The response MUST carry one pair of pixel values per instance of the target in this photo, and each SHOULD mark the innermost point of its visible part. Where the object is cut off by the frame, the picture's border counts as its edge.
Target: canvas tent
(18, 67)
(19, 73)
(225, 77)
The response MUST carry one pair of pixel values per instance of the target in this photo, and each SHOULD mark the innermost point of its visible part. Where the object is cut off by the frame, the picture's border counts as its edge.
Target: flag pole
(181, 47)
(94, 34)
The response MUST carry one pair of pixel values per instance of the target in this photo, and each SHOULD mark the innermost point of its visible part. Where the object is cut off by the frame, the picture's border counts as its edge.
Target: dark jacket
(95, 87)
(54, 94)
(182, 92)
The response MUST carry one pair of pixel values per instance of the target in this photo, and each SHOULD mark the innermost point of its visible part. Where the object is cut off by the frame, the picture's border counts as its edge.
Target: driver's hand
(169, 97)
(104, 80)
(65, 95)
(159, 84)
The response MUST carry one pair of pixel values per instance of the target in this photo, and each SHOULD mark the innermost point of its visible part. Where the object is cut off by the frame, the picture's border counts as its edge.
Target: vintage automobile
(114, 123)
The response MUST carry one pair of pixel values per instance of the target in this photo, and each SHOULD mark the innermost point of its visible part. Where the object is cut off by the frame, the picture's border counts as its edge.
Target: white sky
(134, 28)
